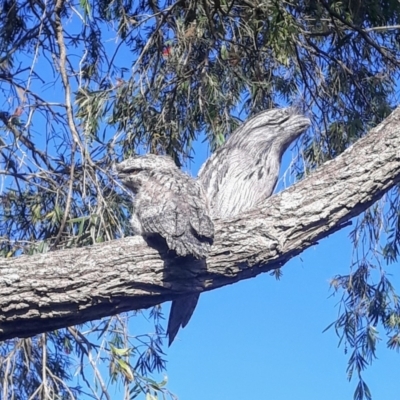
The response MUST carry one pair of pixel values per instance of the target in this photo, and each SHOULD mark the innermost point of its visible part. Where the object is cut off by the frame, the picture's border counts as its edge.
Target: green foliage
(56, 365)
(86, 83)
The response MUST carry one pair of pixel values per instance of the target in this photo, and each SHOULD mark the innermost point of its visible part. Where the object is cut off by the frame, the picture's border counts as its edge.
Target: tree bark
(68, 287)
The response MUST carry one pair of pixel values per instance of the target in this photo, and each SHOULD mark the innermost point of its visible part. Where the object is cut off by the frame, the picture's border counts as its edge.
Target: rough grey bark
(49, 291)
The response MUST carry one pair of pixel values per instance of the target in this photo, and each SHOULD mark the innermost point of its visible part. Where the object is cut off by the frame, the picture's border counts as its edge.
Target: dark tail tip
(181, 312)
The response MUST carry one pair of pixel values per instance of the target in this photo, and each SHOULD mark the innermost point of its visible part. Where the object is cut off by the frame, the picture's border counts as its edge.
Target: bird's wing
(164, 217)
(198, 212)
(212, 172)
(181, 219)
(233, 185)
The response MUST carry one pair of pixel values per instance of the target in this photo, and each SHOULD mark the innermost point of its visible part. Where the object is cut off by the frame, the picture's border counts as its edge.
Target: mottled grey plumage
(243, 172)
(239, 176)
(170, 204)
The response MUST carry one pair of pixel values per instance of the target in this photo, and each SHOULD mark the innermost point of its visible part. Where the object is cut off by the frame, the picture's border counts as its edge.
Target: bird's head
(293, 124)
(276, 128)
(136, 170)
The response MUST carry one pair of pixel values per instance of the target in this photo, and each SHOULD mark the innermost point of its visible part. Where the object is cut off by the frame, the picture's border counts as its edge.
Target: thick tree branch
(68, 287)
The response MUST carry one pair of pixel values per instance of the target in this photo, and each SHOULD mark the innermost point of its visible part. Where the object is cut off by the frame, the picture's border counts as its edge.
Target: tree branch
(68, 287)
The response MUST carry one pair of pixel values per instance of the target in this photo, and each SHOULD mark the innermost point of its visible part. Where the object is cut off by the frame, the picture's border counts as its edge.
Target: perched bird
(243, 172)
(169, 204)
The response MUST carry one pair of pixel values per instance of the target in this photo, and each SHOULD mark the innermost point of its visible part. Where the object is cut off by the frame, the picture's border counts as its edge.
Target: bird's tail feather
(180, 314)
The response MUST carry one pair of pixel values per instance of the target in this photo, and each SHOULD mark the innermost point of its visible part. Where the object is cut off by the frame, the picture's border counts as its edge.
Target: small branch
(383, 28)
(63, 71)
(362, 32)
(69, 198)
(26, 142)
